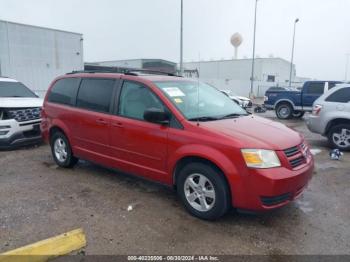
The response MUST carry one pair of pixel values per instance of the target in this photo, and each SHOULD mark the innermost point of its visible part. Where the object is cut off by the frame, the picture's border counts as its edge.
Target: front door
(138, 146)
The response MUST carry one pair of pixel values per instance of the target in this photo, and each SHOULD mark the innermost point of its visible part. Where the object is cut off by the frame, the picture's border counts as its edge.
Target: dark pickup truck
(293, 102)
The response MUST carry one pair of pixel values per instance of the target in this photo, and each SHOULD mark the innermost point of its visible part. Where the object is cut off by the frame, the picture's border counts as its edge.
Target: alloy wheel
(342, 139)
(60, 149)
(199, 192)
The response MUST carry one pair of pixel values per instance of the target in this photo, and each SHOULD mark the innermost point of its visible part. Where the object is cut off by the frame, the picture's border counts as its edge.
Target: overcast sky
(125, 29)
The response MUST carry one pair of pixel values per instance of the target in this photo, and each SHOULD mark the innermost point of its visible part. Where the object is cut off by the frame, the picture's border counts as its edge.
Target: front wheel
(284, 111)
(203, 191)
(339, 137)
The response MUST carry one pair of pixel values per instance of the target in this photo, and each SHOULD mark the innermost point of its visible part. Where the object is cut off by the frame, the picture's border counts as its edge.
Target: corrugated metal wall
(35, 55)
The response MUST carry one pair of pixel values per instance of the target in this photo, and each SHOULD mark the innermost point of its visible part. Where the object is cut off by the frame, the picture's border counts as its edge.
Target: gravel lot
(39, 200)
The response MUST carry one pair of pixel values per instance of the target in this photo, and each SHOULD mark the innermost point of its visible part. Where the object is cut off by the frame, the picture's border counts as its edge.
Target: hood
(243, 98)
(20, 102)
(255, 132)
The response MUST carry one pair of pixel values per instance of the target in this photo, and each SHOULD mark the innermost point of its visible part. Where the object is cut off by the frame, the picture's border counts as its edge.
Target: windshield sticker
(178, 100)
(173, 91)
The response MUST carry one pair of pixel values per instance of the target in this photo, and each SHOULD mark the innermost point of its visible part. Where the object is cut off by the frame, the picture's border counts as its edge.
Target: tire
(209, 202)
(298, 114)
(284, 111)
(61, 151)
(339, 137)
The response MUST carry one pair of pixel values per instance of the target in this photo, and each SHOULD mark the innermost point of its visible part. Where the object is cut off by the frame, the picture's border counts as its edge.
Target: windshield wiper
(234, 115)
(203, 118)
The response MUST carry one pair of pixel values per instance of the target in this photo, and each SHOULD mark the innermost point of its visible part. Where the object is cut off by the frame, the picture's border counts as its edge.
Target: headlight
(260, 158)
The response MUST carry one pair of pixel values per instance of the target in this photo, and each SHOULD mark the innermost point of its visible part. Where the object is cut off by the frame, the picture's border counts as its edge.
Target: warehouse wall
(235, 74)
(35, 55)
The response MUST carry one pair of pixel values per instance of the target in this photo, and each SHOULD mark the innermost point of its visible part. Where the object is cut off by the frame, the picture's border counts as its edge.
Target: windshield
(199, 101)
(14, 89)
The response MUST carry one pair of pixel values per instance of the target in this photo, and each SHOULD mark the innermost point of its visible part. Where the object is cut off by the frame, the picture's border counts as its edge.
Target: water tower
(236, 41)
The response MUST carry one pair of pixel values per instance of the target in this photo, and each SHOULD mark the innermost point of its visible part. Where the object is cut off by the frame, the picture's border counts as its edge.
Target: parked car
(19, 114)
(179, 132)
(294, 103)
(243, 101)
(331, 117)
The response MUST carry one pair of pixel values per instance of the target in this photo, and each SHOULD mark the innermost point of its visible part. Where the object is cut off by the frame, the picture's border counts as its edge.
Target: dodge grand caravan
(179, 132)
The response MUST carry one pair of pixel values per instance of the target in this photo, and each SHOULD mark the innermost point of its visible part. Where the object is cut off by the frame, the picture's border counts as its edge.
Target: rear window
(64, 91)
(14, 89)
(340, 96)
(95, 94)
(315, 88)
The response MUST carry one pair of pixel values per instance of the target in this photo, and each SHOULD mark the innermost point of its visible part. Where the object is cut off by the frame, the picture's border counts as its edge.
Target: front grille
(271, 201)
(291, 151)
(296, 155)
(24, 114)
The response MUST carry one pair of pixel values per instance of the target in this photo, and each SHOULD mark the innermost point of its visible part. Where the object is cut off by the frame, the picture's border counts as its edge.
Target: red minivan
(179, 132)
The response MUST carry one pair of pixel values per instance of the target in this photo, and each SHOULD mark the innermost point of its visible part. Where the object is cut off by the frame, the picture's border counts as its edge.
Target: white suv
(19, 114)
(331, 116)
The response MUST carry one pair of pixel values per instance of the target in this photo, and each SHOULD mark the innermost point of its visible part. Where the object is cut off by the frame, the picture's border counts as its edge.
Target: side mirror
(156, 115)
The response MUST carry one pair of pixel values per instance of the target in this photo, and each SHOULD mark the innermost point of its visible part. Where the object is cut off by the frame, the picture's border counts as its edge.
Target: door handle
(101, 121)
(117, 124)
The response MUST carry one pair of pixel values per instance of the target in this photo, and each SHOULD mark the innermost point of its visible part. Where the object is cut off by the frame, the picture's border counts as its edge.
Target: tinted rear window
(95, 94)
(340, 96)
(64, 91)
(315, 88)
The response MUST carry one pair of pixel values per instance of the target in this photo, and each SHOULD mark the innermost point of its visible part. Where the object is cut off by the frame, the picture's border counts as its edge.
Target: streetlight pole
(253, 58)
(181, 40)
(291, 62)
(346, 67)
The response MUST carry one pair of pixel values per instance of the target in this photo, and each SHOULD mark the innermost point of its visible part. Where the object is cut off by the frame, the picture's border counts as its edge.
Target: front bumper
(272, 188)
(14, 134)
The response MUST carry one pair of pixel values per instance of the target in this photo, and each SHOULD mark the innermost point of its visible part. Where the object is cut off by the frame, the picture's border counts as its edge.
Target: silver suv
(331, 116)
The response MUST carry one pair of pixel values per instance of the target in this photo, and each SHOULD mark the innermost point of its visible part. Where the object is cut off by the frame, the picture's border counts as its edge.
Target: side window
(340, 96)
(315, 88)
(95, 94)
(64, 91)
(135, 99)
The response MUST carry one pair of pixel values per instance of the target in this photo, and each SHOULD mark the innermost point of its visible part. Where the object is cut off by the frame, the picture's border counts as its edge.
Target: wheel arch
(284, 101)
(194, 158)
(335, 122)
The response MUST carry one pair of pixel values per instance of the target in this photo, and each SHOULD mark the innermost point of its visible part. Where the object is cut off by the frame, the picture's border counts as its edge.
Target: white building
(36, 55)
(235, 74)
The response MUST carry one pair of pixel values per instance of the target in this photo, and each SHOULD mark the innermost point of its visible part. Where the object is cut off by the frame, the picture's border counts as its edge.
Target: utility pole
(291, 61)
(253, 59)
(181, 41)
(346, 66)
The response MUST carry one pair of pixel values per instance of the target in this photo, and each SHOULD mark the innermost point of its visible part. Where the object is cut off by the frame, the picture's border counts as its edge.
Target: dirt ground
(39, 200)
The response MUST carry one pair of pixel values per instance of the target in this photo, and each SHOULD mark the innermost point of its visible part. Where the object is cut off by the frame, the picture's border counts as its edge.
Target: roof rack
(91, 69)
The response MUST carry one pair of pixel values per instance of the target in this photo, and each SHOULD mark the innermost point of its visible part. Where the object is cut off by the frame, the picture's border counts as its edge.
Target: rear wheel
(298, 114)
(203, 191)
(284, 111)
(339, 137)
(61, 151)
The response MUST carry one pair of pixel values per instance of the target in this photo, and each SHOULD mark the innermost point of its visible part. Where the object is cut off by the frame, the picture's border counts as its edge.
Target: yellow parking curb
(48, 248)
